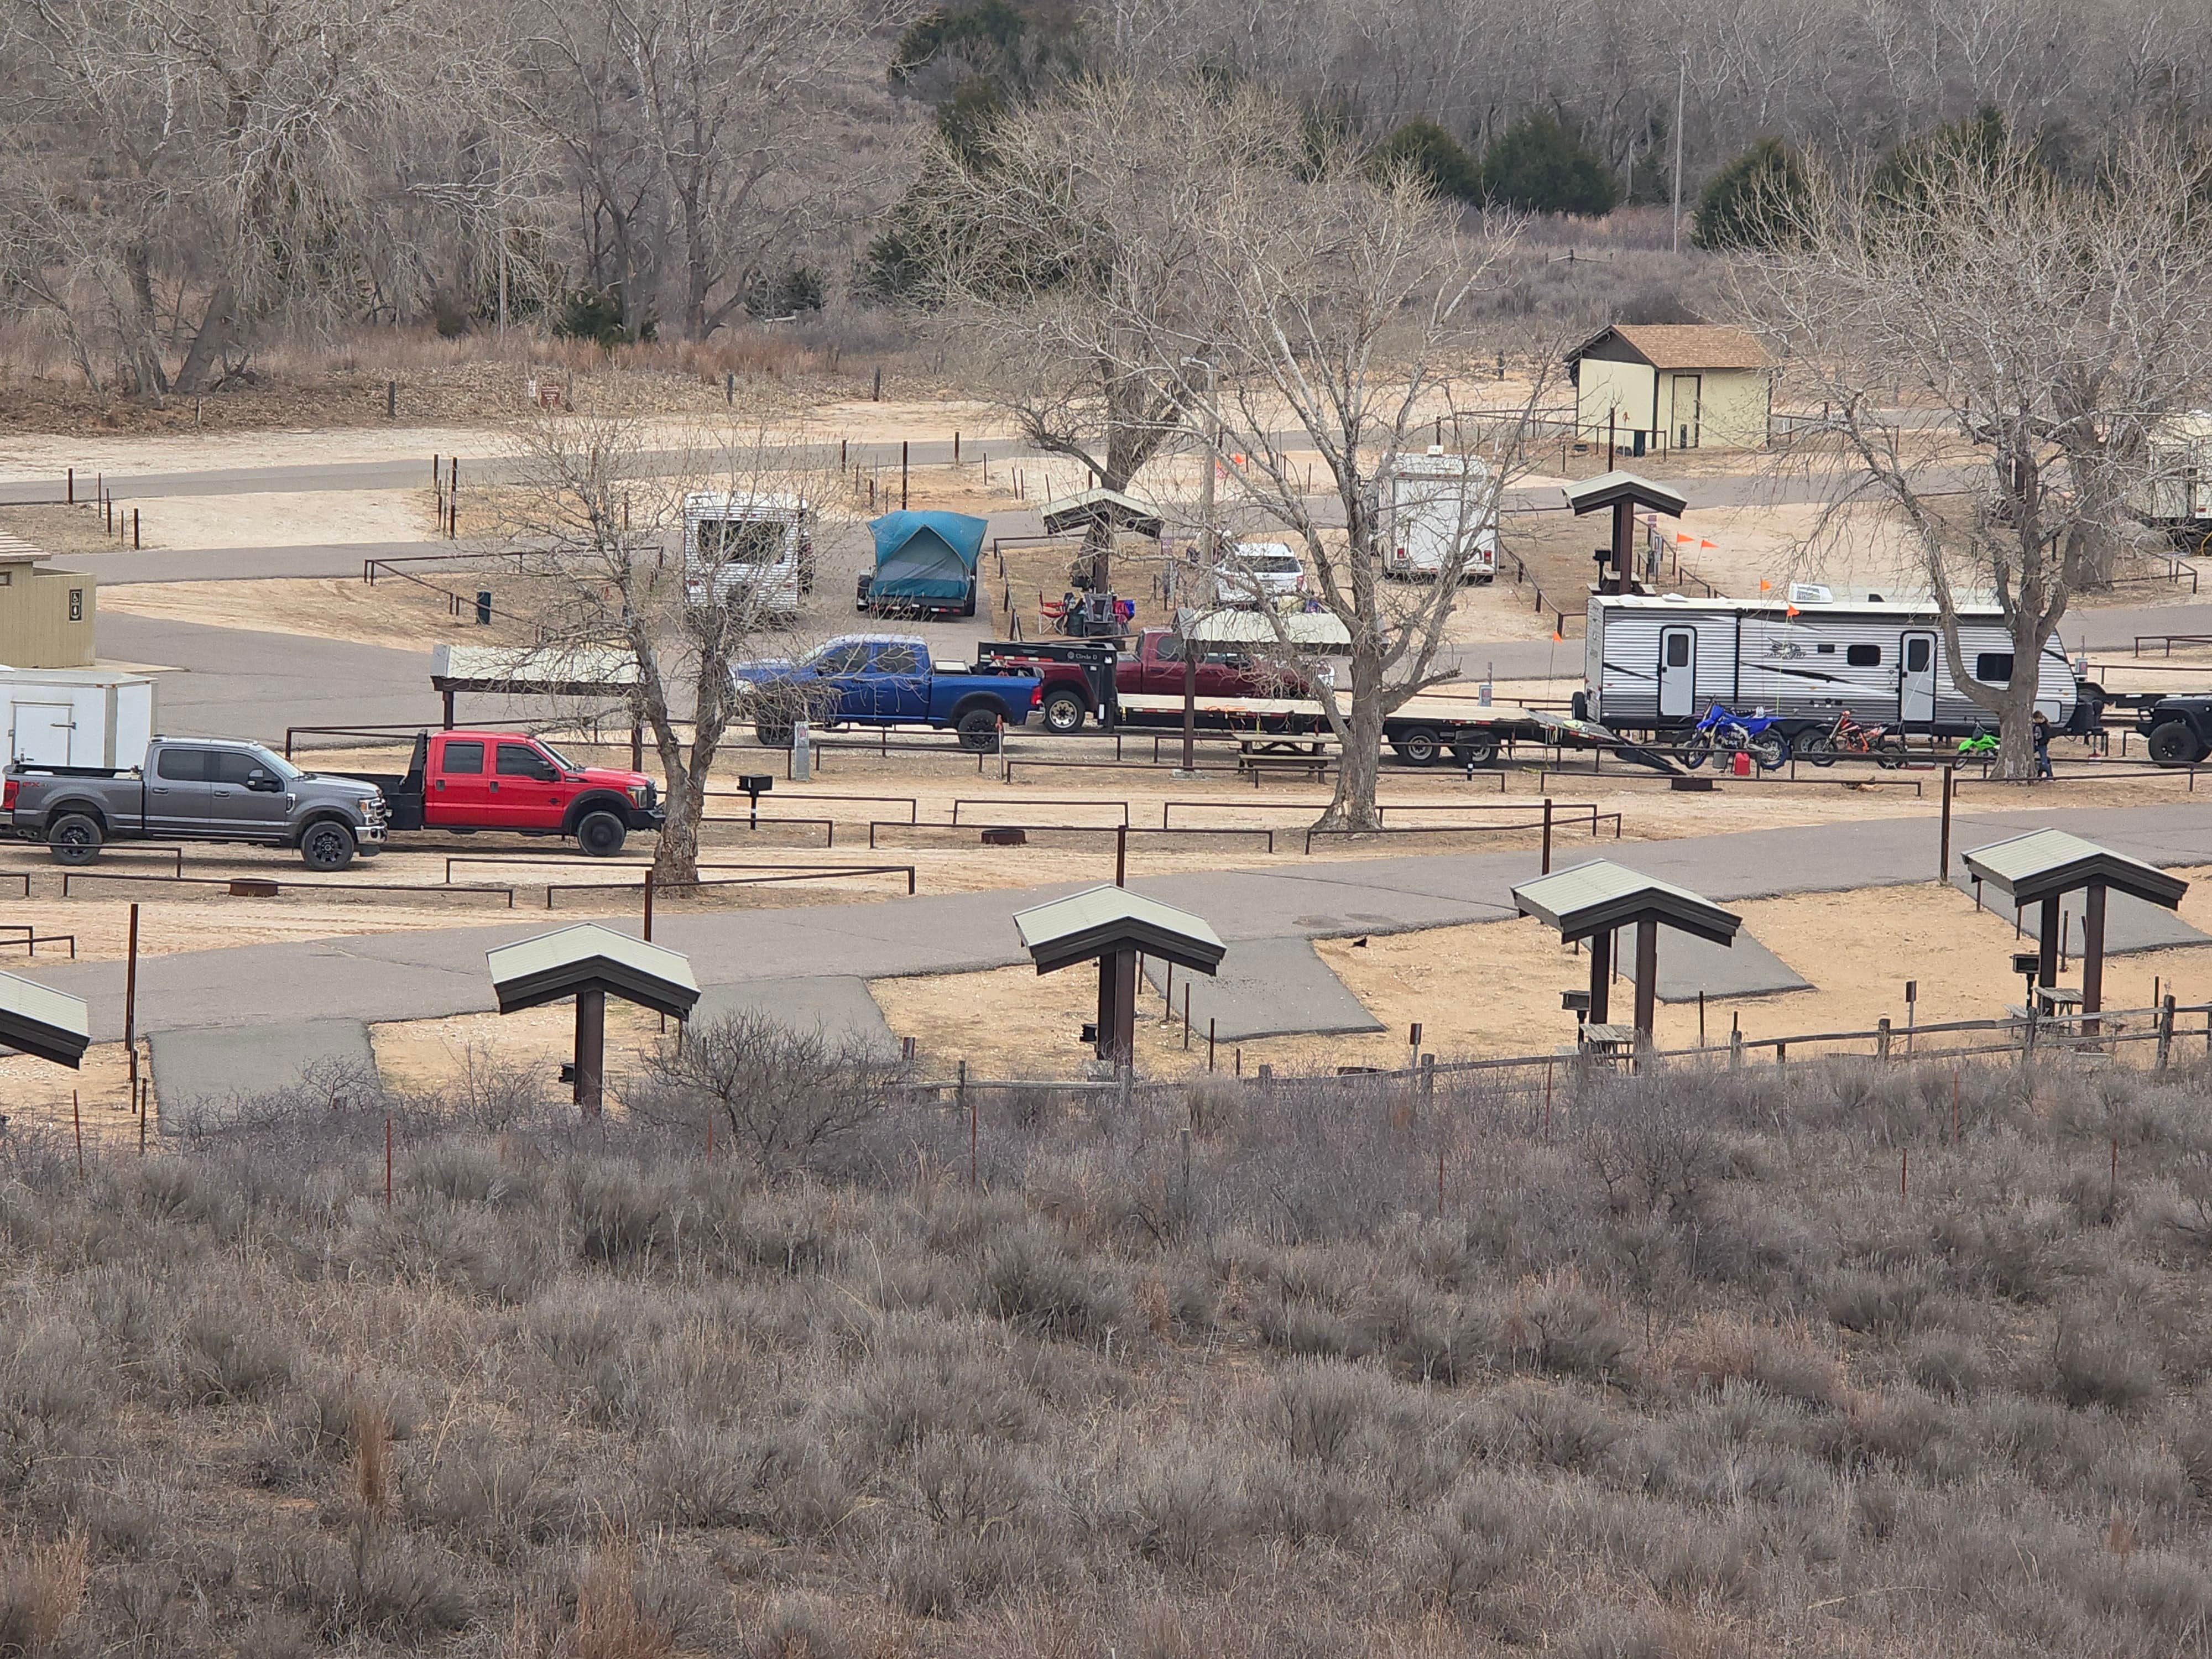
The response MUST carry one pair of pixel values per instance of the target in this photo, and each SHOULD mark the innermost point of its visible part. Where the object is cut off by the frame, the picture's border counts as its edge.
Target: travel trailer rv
(1656, 664)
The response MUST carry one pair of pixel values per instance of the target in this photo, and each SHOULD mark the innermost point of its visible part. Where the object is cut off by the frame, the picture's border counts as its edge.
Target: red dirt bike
(1848, 739)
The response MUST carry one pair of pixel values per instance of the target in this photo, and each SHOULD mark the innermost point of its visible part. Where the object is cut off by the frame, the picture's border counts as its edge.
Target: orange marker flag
(1789, 610)
(1764, 584)
(1684, 536)
(1707, 544)
(1556, 637)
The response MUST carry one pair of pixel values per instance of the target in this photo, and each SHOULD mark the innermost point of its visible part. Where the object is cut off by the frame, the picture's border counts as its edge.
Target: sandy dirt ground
(285, 517)
(1493, 989)
(37, 1096)
(432, 1053)
(394, 612)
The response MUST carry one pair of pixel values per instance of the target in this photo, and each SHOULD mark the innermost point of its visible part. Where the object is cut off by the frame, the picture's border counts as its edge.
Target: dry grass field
(1826, 1360)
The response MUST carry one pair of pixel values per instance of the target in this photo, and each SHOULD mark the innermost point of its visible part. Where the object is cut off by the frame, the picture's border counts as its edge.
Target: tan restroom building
(1657, 386)
(46, 615)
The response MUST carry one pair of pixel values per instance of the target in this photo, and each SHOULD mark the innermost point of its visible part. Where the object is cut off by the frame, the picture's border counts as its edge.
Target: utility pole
(1681, 87)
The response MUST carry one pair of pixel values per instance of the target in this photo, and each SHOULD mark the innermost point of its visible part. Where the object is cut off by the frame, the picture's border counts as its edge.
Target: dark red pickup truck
(1074, 673)
(468, 780)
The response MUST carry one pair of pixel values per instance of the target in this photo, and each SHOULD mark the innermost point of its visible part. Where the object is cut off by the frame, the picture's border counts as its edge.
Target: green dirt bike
(1982, 743)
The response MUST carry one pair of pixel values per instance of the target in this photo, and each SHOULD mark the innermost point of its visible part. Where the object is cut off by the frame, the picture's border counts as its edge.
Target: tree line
(184, 179)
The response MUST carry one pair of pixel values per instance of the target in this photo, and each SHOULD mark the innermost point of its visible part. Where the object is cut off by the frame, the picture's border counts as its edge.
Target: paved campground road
(435, 973)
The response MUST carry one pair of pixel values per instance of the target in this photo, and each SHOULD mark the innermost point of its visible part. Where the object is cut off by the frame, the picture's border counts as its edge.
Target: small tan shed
(46, 615)
(1657, 386)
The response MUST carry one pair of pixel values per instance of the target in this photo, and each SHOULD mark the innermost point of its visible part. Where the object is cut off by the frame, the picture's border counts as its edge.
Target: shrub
(793, 1099)
(1031, 1281)
(42, 1586)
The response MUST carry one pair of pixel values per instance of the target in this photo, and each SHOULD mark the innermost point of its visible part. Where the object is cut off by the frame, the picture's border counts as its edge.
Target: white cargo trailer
(1431, 508)
(1656, 664)
(78, 716)
(755, 548)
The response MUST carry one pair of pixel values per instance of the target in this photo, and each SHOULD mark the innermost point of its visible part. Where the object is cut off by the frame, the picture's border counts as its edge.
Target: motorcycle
(1724, 733)
(1884, 747)
(1981, 743)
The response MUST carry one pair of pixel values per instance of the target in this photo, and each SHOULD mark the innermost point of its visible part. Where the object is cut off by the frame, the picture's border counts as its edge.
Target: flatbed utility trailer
(1422, 732)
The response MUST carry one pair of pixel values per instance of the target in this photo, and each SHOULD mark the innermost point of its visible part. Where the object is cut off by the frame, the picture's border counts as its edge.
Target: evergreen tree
(1541, 165)
(1433, 153)
(1753, 202)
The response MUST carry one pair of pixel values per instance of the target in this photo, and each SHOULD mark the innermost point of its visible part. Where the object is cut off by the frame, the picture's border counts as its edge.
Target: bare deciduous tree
(605, 531)
(1327, 312)
(2054, 324)
(1063, 246)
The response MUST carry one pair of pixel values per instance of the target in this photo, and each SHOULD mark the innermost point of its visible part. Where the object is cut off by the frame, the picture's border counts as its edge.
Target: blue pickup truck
(881, 680)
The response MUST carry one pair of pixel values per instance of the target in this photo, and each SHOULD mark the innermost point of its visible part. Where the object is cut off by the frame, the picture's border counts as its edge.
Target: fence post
(1882, 1039)
(2166, 1031)
(1547, 833)
(961, 1099)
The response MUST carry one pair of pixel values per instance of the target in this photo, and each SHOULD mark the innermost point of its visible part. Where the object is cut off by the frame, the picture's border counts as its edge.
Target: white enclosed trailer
(1655, 664)
(755, 549)
(1435, 508)
(78, 716)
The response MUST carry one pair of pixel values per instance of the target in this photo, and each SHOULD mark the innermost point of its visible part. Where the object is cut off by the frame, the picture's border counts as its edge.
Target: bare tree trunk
(1360, 763)
(676, 855)
(217, 323)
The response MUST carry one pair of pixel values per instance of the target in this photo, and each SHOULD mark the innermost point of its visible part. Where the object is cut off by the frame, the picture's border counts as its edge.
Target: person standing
(2043, 747)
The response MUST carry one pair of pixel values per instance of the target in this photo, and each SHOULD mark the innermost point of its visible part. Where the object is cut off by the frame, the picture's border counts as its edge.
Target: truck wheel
(2172, 744)
(1417, 746)
(75, 839)
(978, 729)
(1063, 711)
(327, 846)
(1474, 751)
(772, 737)
(601, 834)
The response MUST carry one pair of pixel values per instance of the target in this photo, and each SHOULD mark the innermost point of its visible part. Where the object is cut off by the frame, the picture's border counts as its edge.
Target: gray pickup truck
(196, 789)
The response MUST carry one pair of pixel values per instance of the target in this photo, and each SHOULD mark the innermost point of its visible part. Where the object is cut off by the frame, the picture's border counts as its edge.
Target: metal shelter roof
(551, 670)
(1601, 896)
(35, 1020)
(1610, 488)
(2046, 863)
(1084, 926)
(588, 956)
(1098, 506)
(1322, 630)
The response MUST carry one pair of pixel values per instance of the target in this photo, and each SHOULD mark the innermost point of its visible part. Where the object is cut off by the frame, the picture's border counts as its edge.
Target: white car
(1258, 573)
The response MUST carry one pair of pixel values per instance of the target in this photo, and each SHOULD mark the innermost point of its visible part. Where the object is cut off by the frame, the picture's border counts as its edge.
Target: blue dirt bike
(1720, 733)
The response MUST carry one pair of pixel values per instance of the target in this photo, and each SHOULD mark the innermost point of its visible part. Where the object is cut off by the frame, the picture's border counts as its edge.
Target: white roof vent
(1810, 593)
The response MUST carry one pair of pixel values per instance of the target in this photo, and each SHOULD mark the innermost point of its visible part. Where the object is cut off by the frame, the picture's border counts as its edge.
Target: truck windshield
(276, 763)
(743, 541)
(557, 757)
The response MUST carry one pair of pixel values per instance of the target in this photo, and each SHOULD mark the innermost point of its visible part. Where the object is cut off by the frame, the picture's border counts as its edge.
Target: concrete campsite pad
(200, 1073)
(838, 1004)
(1264, 988)
(2130, 924)
(1688, 965)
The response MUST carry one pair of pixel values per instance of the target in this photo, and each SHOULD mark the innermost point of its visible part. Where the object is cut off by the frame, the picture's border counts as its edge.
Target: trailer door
(1678, 673)
(1916, 681)
(42, 733)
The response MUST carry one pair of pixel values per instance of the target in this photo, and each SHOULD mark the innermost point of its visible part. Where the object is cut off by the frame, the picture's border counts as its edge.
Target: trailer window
(1824, 650)
(1678, 651)
(741, 541)
(1863, 656)
(464, 757)
(1916, 656)
(1993, 668)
